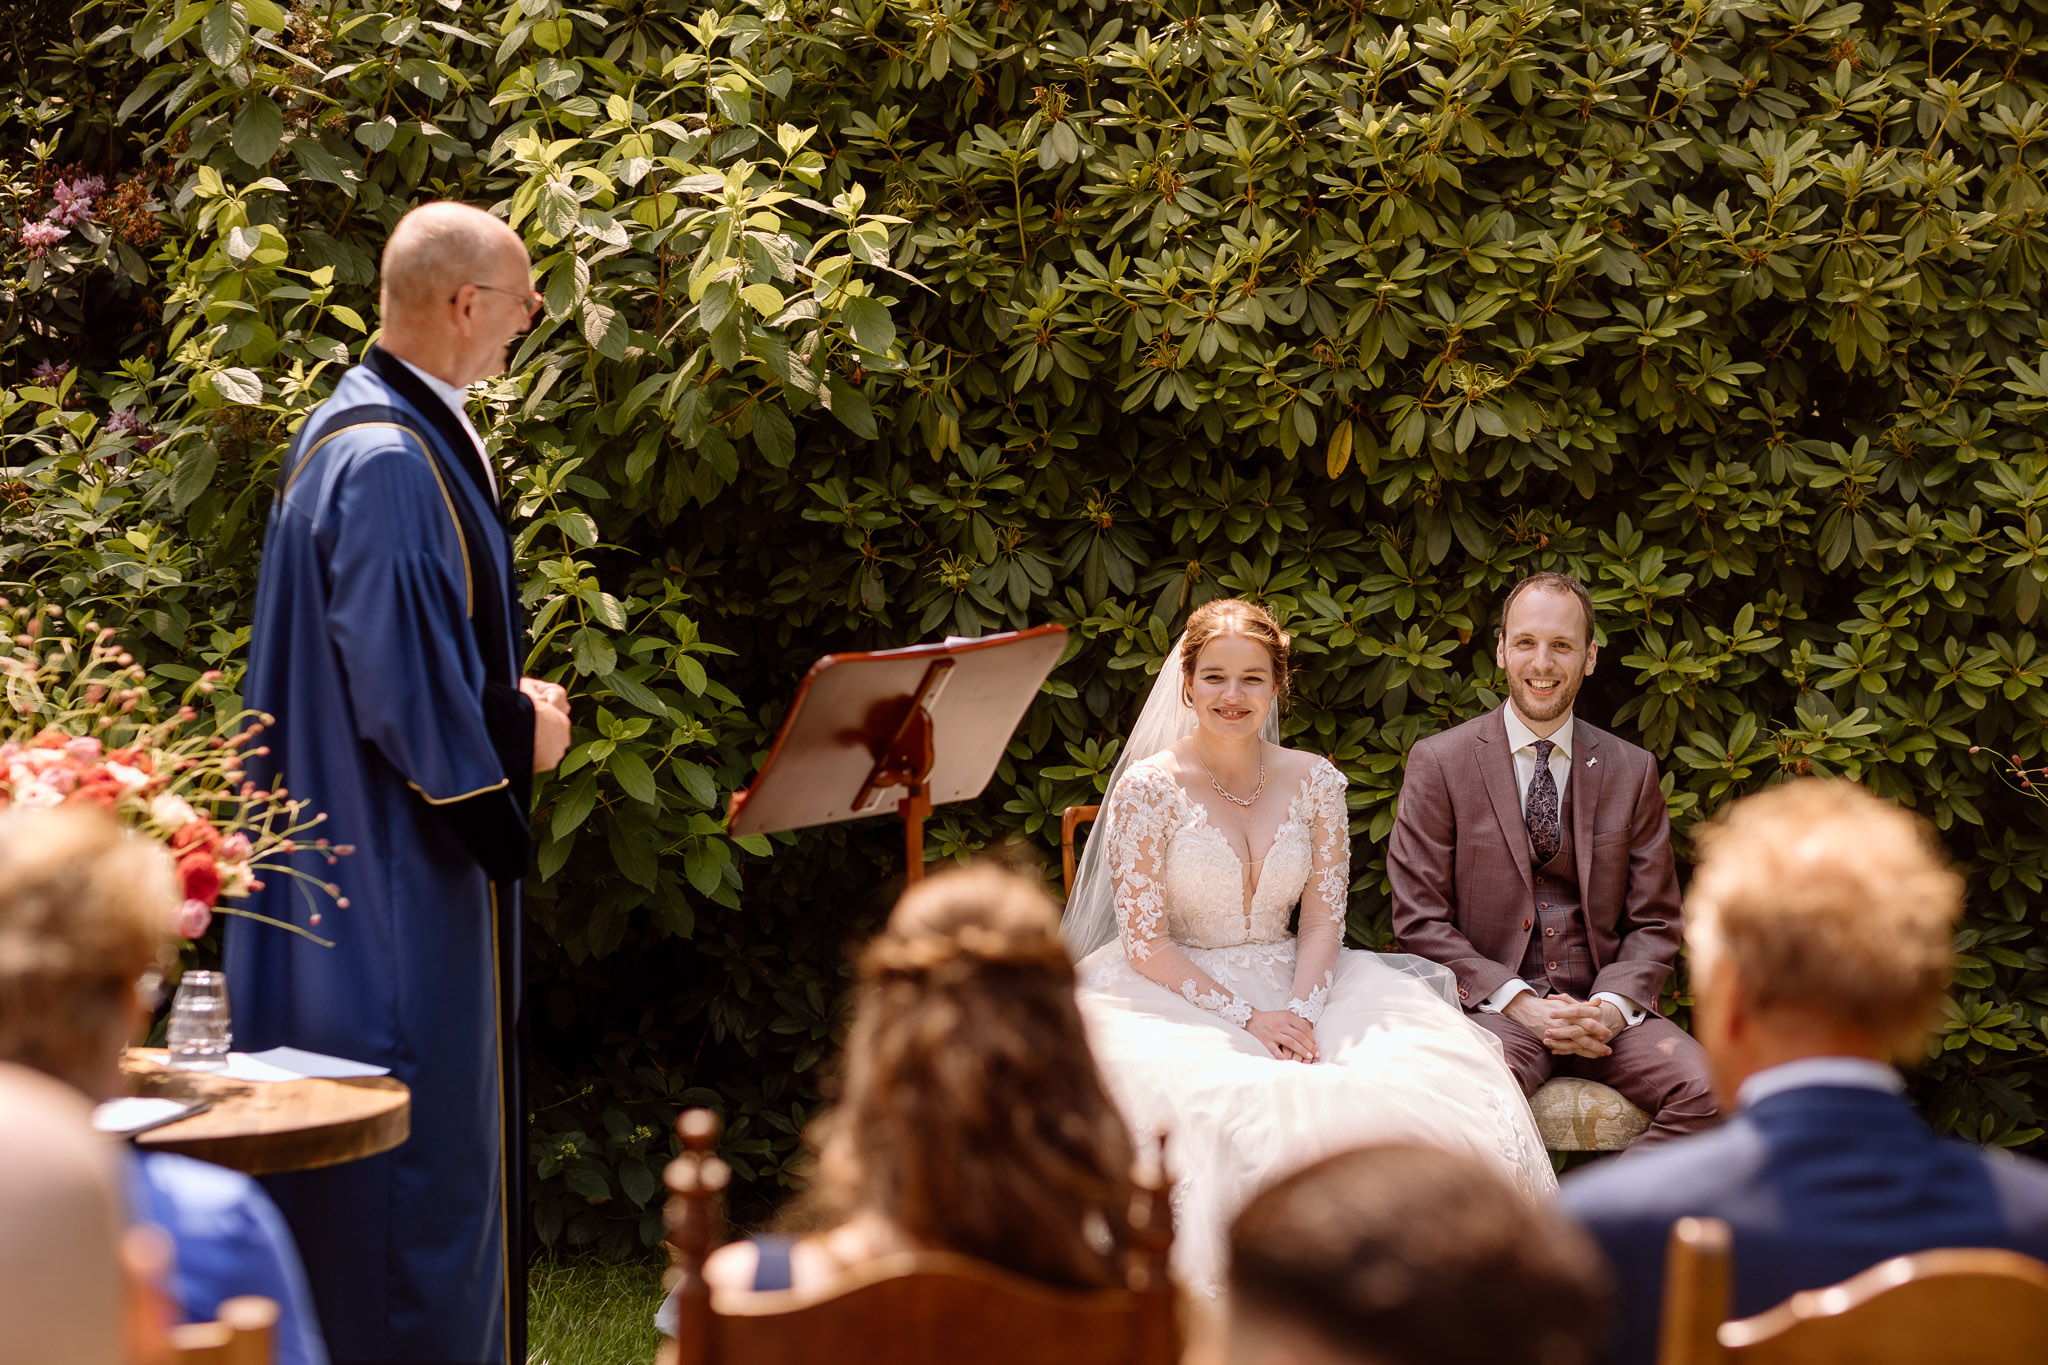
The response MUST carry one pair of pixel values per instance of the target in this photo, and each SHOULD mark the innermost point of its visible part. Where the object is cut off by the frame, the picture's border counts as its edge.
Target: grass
(591, 1312)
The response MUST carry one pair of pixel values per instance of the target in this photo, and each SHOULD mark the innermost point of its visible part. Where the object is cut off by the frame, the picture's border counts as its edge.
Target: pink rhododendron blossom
(40, 237)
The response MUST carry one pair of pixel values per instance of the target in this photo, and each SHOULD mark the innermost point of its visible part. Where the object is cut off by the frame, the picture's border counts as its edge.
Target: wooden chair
(921, 1308)
(1948, 1307)
(243, 1334)
(1573, 1115)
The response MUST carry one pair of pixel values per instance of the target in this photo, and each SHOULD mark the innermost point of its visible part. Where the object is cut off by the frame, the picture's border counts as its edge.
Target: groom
(1532, 856)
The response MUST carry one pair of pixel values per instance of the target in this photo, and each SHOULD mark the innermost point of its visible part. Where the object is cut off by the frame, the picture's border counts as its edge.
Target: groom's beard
(1536, 707)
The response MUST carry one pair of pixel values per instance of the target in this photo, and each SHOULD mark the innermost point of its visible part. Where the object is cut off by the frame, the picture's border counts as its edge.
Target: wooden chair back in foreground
(243, 1334)
(920, 1308)
(1955, 1306)
(1070, 819)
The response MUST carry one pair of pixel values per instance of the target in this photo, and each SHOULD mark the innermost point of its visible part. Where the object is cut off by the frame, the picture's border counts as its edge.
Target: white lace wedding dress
(1165, 1004)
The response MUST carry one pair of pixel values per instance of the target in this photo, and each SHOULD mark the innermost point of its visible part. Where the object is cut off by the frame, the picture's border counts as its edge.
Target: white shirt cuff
(1631, 1013)
(1500, 999)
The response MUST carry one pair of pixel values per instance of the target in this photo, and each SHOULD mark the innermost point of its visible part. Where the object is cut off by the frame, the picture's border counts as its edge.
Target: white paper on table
(316, 1065)
(139, 1113)
(243, 1066)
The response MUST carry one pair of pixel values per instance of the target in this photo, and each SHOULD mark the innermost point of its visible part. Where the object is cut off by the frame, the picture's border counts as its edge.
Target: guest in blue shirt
(1819, 924)
(84, 911)
(229, 1239)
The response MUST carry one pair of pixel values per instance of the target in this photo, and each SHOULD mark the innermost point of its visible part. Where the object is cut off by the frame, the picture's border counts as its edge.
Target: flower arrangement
(81, 726)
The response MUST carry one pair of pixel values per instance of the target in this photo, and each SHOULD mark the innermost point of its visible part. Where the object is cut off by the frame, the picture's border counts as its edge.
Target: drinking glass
(199, 1030)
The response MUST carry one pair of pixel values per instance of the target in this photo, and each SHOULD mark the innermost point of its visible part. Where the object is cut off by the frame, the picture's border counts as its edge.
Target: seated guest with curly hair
(1820, 925)
(971, 1117)
(85, 910)
(1408, 1255)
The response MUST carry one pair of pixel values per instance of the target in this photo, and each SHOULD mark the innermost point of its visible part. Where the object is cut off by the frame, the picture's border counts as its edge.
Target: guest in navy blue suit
(1819, 926)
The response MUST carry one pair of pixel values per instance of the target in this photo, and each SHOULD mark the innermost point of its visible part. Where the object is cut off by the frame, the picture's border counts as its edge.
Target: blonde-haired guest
(1819, 924)
(85, 910)
(73, 1289)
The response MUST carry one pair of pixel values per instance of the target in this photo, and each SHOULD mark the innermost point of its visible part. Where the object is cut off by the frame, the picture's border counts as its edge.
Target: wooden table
(263, 1127)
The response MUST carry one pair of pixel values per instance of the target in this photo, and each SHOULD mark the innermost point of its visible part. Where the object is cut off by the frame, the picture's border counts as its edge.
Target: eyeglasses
(531, 297)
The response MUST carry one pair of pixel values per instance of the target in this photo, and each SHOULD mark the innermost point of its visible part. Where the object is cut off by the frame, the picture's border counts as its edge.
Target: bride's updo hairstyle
(1234, 616)
(972, 1117)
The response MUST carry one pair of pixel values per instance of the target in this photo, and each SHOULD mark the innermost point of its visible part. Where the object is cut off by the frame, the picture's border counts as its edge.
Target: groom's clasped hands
(1568, 1027)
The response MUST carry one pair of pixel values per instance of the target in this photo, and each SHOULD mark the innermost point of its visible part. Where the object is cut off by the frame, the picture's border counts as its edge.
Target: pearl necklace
(1237, 800)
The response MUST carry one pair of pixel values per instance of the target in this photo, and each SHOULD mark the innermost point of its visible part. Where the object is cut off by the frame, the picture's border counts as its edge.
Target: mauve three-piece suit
(1601, 915)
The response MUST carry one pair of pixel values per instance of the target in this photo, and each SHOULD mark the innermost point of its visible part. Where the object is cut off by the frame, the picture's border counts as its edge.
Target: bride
(1256, 1050)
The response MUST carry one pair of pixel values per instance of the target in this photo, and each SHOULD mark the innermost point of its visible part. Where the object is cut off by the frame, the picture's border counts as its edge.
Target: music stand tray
(897, 730)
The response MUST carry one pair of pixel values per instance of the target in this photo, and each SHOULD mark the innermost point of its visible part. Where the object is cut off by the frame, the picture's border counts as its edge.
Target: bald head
(438, 247)
(64, 1293)
(458, 288)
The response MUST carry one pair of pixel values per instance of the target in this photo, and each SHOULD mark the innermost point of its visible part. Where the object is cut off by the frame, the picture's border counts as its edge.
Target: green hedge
(873, 321)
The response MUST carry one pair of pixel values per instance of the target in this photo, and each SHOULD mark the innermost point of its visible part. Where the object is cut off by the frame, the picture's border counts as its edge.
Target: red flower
(96, 788)
(197, 833)
(200, 876)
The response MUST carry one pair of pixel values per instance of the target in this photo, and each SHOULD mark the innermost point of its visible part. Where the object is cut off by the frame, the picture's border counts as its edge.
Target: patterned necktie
(1542, 808)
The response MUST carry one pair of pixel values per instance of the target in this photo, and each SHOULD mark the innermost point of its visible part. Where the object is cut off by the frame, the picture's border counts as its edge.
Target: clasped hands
(1568, 1027)
(550, 722)
(1287, 1035)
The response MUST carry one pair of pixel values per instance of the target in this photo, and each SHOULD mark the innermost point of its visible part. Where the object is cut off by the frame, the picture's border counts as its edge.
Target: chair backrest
(243, 1334)
(1070, 819)
(923, 1308)
(1952, 1306)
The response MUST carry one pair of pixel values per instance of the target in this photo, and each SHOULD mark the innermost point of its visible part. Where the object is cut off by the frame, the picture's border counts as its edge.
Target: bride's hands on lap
(1286, 1035)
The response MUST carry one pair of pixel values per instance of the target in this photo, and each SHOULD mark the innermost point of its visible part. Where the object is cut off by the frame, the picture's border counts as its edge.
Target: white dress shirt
(1847, 1073)
(1522, 745)
(457, 400)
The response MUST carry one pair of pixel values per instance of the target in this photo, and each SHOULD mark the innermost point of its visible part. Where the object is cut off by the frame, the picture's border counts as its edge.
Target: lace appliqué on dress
(1231, 1007)
(1145, 806)
(1311, 1009)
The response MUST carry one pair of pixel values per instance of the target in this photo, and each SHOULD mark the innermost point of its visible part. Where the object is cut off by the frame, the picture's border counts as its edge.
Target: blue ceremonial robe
(387, 646)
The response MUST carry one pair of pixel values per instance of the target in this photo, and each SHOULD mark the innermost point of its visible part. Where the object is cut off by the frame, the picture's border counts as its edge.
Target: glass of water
(199, 1031)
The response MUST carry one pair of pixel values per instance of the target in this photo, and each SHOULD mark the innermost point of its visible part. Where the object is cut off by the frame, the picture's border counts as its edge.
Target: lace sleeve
(1140, 821)
(1326, 897)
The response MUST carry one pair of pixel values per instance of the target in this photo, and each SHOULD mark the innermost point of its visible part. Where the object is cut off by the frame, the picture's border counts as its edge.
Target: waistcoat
(1559, 957)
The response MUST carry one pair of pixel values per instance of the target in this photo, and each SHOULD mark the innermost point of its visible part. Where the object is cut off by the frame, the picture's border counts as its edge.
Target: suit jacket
(1460, 865)
(1816, 1184)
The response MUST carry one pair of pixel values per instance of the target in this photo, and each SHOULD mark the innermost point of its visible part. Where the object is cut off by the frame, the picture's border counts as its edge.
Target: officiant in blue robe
(387, 646)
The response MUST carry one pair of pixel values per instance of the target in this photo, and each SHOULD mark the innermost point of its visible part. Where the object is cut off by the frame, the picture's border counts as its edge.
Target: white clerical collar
(1845, 1073)
(1520, 736)
(457, 400)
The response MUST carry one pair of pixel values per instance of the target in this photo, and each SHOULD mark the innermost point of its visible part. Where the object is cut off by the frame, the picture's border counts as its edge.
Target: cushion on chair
(1584, 1116)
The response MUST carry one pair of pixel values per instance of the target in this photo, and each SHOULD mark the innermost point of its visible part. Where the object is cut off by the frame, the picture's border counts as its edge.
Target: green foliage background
(875, 320)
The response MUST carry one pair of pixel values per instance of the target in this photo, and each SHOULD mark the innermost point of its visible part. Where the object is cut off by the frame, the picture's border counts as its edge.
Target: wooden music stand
(901, 729)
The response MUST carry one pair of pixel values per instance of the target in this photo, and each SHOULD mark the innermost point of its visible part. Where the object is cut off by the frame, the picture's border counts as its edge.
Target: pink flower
(40, 237)
(33, 794)
(236, 848)
(192, 919)
(85, 750)
(75, 199)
